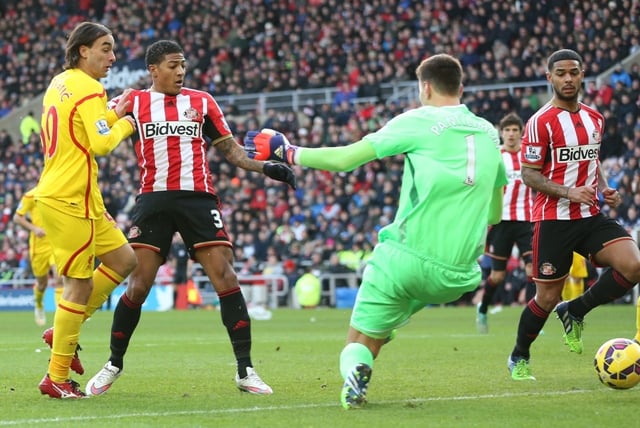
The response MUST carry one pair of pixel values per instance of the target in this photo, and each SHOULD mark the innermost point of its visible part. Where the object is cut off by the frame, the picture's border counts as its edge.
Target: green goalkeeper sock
(352, 355)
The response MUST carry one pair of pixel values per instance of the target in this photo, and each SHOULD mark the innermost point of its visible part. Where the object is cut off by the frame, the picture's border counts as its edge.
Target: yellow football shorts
(78, 241)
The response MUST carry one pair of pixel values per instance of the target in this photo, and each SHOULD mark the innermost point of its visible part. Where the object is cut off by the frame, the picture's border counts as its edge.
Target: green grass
(437, 373)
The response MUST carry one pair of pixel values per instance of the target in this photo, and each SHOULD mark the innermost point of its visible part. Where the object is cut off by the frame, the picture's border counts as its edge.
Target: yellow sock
(576, 289)
(66, 323)
(38, 296)
(637, 337)
(572, 288)
(565, 289)
(58, 294)
(104, 281)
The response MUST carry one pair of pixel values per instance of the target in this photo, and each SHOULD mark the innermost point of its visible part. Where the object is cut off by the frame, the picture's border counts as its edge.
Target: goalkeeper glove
(280, 172)
(269, 145)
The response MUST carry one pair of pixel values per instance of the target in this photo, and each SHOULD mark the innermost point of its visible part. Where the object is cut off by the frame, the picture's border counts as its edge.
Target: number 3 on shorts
(217, 219)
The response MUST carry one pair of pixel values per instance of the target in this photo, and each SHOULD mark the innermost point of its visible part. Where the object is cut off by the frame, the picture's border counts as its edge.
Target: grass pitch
(437, 373)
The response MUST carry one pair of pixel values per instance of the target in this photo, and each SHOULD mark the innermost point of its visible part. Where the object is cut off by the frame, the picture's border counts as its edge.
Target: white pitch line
(120, 416)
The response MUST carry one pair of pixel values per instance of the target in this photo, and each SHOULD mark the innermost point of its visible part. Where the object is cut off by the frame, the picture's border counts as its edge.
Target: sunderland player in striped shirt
(515, 227)
(560, 149)
(429, 254)
(76, 127)
(177, 194)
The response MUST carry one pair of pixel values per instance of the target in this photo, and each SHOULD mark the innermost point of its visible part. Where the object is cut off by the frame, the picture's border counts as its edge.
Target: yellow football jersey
(76, 127)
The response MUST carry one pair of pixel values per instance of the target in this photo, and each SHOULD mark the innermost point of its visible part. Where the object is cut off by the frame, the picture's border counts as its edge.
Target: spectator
(5, 141)
(5, 108)
(620, 75)
(273, 266)
(605, 94)
(28, 127)
(308, 289)
(518, 287)
(291, 272)
(336, 273)
(626, 107)
(612, 143)
(181, 264)
(631, 222)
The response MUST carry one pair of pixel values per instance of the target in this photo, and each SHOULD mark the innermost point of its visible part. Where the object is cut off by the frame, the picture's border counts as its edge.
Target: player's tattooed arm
(235, 154)
(533, 178)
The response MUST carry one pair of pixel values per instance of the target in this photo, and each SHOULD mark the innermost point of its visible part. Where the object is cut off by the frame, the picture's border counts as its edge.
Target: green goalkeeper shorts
(398, 282)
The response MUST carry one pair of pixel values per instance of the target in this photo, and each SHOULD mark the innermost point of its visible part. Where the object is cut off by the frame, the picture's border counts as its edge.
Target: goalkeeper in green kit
(451, 191)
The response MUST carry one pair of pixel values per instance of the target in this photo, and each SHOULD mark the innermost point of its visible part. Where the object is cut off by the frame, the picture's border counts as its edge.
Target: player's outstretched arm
(268, 144)
(235, 154)
(272, 145)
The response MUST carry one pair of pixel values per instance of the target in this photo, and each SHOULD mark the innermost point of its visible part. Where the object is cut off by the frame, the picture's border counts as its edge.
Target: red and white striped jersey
(565, 146)
(518, 198)
(169, 139)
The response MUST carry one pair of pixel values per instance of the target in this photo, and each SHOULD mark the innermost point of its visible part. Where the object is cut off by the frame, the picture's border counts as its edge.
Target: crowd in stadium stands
(254, 46)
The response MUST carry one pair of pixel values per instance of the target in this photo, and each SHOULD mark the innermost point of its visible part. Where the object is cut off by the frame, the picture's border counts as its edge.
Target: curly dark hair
(158, 50)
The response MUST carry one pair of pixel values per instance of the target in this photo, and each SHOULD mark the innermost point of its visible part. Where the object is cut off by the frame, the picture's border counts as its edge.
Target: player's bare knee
(137, 292)
(122, 260)
(139, 285)
(225, 280)
(42, 282)
(547, 297)
(129, 264)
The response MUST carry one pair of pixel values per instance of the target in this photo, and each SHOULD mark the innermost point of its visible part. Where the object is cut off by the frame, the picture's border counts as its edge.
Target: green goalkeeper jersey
(451, 170)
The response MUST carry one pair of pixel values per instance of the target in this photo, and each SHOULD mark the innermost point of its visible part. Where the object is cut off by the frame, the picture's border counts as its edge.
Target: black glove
(281, 172)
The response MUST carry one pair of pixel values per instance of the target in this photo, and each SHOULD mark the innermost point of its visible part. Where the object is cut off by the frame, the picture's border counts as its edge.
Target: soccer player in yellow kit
(40, 253)
(76, 127)
(574, 284)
